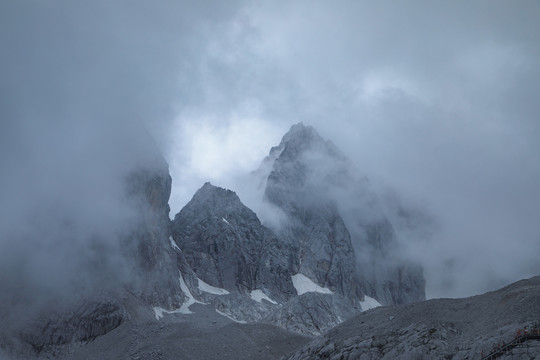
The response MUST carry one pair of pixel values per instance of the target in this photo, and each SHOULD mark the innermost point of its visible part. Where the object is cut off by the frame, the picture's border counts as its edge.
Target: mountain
(336, 223)
(334, 254)
(216, 266)
(238, 262)
(217, 283)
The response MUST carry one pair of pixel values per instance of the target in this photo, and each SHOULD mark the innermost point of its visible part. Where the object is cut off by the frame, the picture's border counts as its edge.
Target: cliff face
(226, 245)
(336, 223)
(314, 227)
(334, 250)
(156, 270)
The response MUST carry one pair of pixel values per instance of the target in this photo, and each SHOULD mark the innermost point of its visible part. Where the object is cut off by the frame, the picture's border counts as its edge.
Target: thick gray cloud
(79, 82)
(436, 100)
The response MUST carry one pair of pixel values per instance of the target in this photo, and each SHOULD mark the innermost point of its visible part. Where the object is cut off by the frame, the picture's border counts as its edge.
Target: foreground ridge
(521, 336)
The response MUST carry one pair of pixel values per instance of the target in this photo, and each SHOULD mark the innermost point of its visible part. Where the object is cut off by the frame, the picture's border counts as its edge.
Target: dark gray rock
(227, 247)
(315, 230)
(202, 335)
(336, 223)
(82, 324)
(312, 313)
(155, 277)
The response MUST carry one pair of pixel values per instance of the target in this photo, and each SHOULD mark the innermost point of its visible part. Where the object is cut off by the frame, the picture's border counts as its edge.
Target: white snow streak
(258, 296)
(184, 309)
(237, 321)
(369, 303)
(303, 285)
(159, 312)
(211, 289)
(225, 220)
(173, 243)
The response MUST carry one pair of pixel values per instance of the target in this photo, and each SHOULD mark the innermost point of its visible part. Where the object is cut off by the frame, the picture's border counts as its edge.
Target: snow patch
(158, 312)
(227, 316)
(184, 309)
(369, 303)
(211, 289)
(225, 221)
(258, 296)
(173, 243)
(303, 285)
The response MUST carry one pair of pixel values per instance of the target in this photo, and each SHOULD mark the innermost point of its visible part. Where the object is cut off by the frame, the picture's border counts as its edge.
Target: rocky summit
(336, 223)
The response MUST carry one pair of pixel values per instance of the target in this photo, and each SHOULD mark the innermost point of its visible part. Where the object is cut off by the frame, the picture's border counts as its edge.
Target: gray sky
(437, 100)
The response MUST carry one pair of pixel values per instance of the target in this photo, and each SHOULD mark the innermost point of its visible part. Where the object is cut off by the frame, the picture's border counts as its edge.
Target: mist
(87, 90)
(433, 102)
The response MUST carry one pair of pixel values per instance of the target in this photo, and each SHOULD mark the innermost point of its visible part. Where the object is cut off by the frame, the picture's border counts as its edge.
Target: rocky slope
(435, 329)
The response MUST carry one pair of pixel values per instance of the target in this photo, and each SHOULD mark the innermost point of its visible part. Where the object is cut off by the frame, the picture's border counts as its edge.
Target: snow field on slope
(227, 316)
(173, 243)
(184, 309)
(303, 285)
(369, 303)
(259, 295)
(211, 289)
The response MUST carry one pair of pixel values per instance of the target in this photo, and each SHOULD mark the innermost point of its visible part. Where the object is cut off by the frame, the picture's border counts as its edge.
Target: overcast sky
(437, 100)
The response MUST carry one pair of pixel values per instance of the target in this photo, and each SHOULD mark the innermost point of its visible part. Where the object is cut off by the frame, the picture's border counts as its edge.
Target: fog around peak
(436, 102)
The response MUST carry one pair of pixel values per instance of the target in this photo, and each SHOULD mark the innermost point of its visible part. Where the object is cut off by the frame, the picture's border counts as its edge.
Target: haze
(433, 101)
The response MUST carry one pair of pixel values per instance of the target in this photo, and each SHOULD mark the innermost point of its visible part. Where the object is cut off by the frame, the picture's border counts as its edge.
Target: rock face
(335, 222)
(156, 280)
(436, 329)
(335, 241)
(314, 228)
(86, 322)
(227, 246)
(334, 248)
(146, 274)
(312, 313)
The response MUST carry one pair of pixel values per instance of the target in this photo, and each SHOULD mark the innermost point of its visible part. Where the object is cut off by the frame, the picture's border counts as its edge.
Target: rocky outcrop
(336, 222)
(312, 313)
(156, 264)
(314, 228)
(226, 245)
(81, 325)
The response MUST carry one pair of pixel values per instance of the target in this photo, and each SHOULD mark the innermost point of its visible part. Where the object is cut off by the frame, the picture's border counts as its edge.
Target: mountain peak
(211, 199)
(301, 138)
(211, 192)
(301, 134)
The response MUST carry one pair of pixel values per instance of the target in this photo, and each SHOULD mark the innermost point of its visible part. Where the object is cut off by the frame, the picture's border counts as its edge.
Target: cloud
(435, 100)
(221, 150)
(80, 81)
